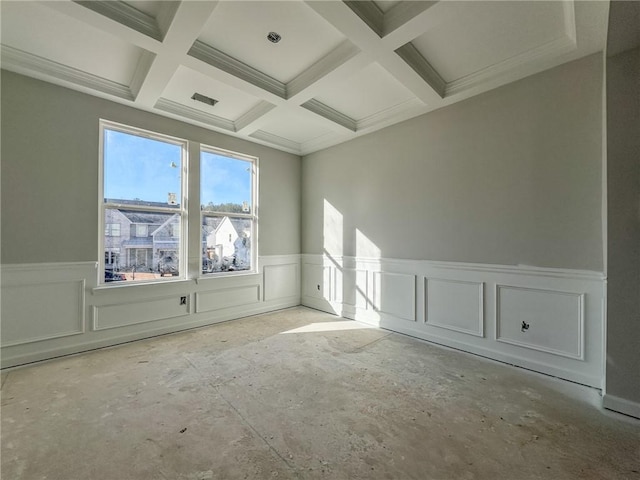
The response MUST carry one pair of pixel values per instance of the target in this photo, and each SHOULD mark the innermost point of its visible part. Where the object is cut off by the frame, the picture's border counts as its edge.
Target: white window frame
(253, 215)
(182, 211)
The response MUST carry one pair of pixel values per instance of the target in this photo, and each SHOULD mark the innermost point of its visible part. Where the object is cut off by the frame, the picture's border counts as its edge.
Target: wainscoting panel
(58, 312)
(549, 321)
(133, 313)
(281, 281)
(352, 284)
(395, 294)
(226, 297)
(472, 307)
(317, 281)
(456, 305)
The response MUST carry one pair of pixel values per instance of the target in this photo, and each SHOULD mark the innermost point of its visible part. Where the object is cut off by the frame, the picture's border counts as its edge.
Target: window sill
(141, 284)
(204, 279)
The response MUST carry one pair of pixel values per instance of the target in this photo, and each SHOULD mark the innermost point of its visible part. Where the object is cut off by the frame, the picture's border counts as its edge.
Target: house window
(143, 179)
(228, 207)
(142, 230)
(112, 230)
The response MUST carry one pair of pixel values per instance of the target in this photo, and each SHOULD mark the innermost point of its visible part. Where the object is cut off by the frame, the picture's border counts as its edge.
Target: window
(143, 179)
(141, 230)
(229, 220)
(112, 230)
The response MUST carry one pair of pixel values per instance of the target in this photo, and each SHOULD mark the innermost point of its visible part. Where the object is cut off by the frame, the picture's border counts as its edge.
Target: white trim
(479, 267)
(127, 15)
(176, 108)
(232, 66)
(21, 62)
(290, 145)
(9, 268)
(621, 405)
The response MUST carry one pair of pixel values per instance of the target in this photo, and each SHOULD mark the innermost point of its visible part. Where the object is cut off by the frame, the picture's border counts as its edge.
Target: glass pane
(131, 256)
(226, 244)
(225, 183)
(141, 171)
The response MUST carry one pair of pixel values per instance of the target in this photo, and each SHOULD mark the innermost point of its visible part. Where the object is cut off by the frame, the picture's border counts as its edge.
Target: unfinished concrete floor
(297, 394)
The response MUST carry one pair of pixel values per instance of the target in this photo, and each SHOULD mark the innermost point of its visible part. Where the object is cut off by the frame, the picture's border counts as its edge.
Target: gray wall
(50, 173)
(512, 176)
(623, 196)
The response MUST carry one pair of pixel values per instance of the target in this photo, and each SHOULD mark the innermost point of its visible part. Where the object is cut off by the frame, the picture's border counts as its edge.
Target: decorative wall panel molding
(136, 312)
(58, 311)
(281, 281)
(473, 307)
(455, 304)
(395, 294)
(227, 297)
(550, 321)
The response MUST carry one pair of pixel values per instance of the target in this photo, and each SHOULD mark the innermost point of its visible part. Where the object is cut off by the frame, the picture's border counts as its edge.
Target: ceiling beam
(188, 21)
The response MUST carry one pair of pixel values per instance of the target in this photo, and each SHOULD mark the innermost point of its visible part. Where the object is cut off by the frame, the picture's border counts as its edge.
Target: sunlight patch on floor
(329, 327)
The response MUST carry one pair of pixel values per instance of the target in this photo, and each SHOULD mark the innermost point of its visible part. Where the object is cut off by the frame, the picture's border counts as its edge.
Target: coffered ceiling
(341, 69)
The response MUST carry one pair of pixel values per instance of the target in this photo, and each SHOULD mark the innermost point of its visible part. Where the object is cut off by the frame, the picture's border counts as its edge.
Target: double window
(144, 213)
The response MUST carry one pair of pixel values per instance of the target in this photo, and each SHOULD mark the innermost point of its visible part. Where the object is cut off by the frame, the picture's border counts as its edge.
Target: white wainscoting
(471, 307)
(55, 309)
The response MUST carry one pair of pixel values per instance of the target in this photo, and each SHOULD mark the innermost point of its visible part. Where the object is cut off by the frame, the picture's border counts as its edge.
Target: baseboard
(621, 405)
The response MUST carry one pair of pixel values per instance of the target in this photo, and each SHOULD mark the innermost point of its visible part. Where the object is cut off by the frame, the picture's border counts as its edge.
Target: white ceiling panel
(240, 30)
(296, 126)
(476, 35)
(368, 92)
(232, 103)
(36, 29)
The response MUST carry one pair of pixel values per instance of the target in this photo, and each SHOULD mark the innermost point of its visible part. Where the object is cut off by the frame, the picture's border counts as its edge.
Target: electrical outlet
(183, 300)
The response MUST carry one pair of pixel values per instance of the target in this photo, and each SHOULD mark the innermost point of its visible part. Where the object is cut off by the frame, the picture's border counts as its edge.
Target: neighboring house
(165, 245)
(220, 239)
(148, 241)
(139, 239)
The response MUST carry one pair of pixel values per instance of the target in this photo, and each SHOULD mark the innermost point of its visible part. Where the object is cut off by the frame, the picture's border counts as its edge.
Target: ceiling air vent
(273, 37)
(198, 97)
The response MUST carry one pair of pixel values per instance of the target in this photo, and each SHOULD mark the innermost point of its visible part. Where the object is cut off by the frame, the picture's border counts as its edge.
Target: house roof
(135, 216)
(138, 242)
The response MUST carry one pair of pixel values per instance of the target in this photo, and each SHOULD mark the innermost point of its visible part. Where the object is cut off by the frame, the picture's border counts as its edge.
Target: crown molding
(125, 14)
(21, 62)
(410, 54)
(369, 13)
(388, 115)
(253, 114)
(175, 108)
(329, 113)
(232, 66)
(276, 140)
(549, 50)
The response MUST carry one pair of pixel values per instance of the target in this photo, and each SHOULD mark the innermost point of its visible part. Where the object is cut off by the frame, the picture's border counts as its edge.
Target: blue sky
(139, 167)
